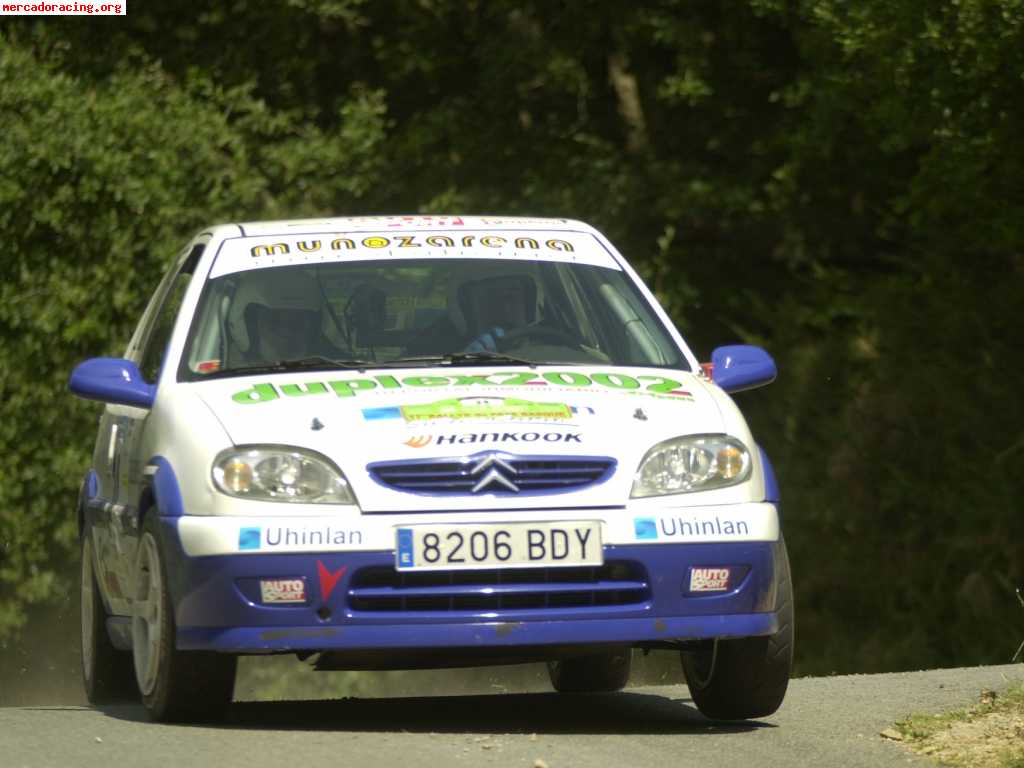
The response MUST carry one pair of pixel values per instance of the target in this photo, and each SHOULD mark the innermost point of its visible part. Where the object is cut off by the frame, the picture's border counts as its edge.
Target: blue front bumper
(355, 601)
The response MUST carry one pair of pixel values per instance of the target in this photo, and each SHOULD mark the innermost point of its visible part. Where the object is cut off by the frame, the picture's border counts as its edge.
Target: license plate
(497, 545)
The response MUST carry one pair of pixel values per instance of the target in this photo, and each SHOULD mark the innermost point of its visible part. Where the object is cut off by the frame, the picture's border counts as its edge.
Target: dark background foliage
(838, 182)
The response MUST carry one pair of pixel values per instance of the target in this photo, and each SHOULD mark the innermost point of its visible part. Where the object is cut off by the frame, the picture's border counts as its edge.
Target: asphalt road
(833, 721)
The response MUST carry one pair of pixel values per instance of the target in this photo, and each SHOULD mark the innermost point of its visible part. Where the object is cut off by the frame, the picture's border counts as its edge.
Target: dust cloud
(42, 667)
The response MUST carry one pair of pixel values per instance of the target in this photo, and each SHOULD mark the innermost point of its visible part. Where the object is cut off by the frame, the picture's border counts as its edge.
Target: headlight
(692, 463)
(278, 473)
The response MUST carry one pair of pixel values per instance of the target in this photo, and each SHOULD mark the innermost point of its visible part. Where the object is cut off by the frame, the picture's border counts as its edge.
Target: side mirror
(741, 366)
(112, 380)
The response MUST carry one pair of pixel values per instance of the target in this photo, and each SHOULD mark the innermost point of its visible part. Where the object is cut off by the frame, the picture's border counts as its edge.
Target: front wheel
(746, 677)
(106, 672)
(176, 686)
(597, 673)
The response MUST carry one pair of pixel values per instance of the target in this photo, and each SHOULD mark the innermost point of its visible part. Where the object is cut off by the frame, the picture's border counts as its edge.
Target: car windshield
(421, 312)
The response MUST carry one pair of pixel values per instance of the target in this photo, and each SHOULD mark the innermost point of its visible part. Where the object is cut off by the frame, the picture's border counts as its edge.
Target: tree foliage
(836, 181)
(102, 180)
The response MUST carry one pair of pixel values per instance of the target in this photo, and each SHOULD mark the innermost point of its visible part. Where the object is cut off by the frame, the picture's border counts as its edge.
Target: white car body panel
(193, 422)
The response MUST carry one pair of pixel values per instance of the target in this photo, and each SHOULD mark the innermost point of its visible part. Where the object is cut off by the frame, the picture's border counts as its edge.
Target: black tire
(176, 686)
(107, 673)
(746, 677)
(598, 673)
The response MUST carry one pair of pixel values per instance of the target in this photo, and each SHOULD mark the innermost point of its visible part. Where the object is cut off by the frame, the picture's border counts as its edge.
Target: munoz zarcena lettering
(379, 442)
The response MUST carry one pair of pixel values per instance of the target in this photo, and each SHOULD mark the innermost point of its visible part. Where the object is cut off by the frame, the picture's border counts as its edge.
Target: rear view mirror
(112, 380)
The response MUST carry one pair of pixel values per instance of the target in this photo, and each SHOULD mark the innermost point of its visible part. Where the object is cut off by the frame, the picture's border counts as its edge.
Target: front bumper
(354, 601)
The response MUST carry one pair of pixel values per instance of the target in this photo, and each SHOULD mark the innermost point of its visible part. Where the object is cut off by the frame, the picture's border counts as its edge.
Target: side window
(163, 324)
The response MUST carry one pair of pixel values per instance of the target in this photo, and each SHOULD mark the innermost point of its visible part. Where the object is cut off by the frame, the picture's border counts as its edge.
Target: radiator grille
(493, 472)
(383, 589)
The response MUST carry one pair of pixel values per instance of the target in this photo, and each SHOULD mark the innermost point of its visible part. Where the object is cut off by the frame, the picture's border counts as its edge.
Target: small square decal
(645, 527)
(249, 538)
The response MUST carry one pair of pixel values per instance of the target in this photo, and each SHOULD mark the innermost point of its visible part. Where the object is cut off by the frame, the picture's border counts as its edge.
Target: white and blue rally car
(424, 441)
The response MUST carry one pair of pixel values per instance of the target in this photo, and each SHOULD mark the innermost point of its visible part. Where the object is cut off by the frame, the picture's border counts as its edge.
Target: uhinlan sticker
(658, 386)
(680, 528)
(295, 537)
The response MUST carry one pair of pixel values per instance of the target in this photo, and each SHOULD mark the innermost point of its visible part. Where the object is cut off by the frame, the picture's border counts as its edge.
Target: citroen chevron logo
(497, 469)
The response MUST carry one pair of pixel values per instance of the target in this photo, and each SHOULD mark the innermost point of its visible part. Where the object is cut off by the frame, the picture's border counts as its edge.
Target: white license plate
(497, 545)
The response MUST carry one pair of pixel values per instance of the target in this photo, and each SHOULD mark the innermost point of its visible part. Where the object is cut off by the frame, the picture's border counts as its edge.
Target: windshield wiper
(458, 358)
(293, 364)
(320, 362)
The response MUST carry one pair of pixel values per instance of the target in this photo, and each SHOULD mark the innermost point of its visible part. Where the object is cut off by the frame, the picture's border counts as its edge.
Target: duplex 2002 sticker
(657, 386)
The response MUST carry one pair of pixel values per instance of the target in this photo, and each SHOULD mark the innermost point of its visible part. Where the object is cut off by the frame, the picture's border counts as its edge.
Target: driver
(498, 306)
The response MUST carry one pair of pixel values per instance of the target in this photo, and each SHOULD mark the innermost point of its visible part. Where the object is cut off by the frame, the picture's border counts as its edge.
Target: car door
(117, 534)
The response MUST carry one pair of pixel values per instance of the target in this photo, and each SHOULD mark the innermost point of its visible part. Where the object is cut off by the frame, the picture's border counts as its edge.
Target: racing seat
(276, 333)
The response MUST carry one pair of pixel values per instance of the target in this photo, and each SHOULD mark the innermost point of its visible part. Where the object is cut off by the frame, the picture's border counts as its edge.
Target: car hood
(360, 419)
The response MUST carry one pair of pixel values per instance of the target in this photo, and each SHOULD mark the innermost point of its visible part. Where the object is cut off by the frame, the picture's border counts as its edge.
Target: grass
(989, 734)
